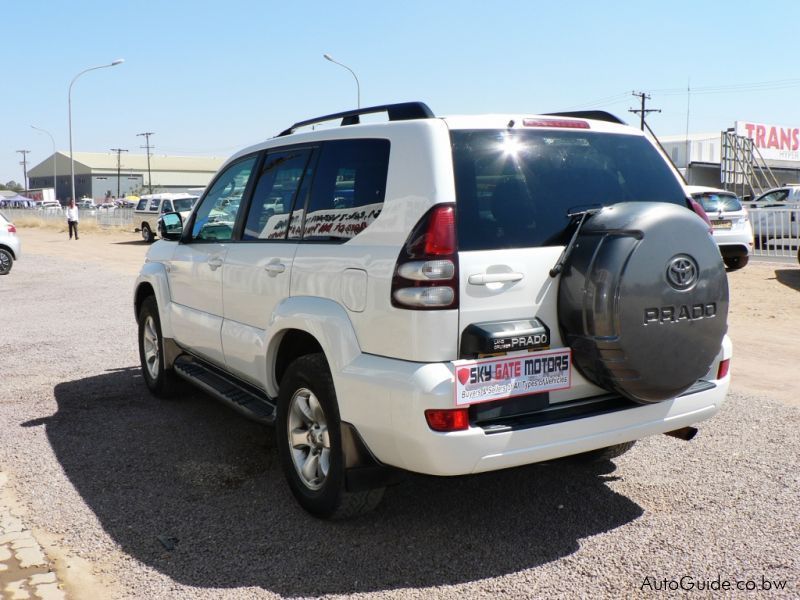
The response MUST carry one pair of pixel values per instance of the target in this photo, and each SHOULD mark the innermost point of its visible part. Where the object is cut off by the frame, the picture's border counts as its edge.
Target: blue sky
(211, 77)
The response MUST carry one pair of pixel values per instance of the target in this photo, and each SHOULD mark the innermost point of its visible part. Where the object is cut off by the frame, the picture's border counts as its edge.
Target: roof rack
(403, 111)
(596, 115)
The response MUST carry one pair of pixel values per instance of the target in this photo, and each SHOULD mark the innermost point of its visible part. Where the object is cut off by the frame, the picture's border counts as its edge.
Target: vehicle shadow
(195, 491)
(131, 243)
(789, 277)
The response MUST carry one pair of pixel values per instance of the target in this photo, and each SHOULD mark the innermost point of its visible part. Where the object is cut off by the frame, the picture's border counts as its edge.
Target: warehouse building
(98, 174)
(748, 158)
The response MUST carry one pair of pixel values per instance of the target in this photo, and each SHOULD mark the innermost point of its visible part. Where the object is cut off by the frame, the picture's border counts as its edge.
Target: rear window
(515, 189)
(712, 202)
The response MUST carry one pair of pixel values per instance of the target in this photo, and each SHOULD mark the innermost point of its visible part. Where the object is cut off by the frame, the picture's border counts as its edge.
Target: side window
(216, 216)
(167, 206)
(142, 204)
(348, 191)
(275, 191)
(154, 204)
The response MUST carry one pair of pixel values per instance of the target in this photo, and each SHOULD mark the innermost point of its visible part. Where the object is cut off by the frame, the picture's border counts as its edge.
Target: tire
(147, 234)
(6, 261)
(602, 454)
(162, 382)
(736, 262)
(309, 441)
(643, 300)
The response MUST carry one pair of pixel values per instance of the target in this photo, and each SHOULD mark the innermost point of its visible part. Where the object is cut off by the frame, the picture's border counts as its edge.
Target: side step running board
(243, 398)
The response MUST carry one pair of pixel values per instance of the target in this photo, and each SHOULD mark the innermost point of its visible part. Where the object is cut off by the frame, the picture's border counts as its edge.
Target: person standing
(72, 218)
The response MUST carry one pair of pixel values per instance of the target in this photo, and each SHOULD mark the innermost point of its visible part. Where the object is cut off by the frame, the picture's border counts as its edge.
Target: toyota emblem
(682, 272)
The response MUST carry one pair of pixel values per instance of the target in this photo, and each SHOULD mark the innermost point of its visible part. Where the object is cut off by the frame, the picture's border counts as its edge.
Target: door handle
(484, 278)
(274, 268)
(215, 262)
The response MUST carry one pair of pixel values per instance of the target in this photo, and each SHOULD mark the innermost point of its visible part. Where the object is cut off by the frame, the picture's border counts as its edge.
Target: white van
(152, 206)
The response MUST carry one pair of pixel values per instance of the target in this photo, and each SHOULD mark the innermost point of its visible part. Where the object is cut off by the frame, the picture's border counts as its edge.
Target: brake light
(11, 228)
(426, 273)
(701, 213)
(451, 419)
(564, 123)
(724, 367)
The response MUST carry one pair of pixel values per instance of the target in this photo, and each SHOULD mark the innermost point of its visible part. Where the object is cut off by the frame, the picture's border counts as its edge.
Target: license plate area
(721, 224)
(492, 379)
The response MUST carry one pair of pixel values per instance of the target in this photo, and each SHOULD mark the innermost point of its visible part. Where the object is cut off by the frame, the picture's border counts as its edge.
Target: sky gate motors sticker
(500, 378)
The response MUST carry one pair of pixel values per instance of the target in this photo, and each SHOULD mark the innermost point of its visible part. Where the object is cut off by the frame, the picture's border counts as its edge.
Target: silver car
(730, 222)
(10, 247)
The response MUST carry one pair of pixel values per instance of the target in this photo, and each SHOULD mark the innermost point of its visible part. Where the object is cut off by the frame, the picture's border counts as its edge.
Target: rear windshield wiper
(583, 214)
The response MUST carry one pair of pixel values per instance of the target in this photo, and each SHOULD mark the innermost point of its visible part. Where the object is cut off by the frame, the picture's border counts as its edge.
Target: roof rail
(597, 115)
(404, 111)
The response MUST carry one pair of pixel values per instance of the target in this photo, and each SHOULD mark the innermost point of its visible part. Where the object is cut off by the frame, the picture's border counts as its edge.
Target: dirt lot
(765, 305)
(135, 497)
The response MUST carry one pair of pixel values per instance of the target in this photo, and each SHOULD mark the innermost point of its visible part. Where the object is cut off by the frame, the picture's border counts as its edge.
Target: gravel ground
(112, 476)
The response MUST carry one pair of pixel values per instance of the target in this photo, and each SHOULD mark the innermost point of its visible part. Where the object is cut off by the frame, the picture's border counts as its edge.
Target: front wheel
(161, 381)
(147, 233)
(309, 440)
(6, 261)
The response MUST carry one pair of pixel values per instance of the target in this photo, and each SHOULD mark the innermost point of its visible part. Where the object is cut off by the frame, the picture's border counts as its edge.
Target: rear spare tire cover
(643, 300)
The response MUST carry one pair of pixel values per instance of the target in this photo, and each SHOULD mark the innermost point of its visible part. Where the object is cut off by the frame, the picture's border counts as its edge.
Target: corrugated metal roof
(107, 161)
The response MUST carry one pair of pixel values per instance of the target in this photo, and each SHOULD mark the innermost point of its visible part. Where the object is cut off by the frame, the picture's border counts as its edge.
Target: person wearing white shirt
(72, 218)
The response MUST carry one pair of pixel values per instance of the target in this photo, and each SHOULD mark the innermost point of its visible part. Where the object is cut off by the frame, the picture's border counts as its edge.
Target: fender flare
(326, 320)
(155, 274)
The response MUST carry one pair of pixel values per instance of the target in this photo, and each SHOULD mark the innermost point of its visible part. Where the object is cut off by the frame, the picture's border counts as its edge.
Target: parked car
(85, 204)
(775, 216)
(150, 207)
(49, 207)
(730, 224)
(441, 295)
(10, 246)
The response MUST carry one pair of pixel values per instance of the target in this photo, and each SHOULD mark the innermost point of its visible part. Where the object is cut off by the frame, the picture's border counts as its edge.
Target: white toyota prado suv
(441, 295)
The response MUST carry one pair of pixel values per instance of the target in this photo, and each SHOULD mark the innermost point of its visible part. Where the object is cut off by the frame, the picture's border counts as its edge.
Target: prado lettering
(774, 142)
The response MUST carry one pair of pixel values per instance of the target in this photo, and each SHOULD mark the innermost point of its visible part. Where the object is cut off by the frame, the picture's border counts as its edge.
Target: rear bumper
(390, 419)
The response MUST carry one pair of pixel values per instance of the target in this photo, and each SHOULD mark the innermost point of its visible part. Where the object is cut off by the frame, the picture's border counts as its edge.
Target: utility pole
(24, 164)
(147, 135)
(119, 152)
(642, 112)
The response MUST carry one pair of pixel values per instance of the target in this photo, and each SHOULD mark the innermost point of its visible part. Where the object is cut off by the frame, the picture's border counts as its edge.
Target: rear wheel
(6, 261)
(147, 233)
(161, 381)
(736, 262)
(309, 439)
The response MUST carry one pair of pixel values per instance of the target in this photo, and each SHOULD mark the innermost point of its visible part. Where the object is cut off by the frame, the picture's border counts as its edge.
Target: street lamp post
(69, 110)
(358, 85)
(55, 170)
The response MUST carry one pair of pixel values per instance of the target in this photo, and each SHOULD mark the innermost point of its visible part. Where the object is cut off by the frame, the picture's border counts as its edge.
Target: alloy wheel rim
(5, 262)
(309, 441)
(150, 347)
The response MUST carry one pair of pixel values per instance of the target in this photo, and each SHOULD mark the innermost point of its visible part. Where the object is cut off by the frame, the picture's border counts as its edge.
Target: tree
(12, 185)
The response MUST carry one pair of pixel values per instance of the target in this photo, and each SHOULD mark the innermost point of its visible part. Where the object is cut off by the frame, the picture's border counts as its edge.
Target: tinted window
(184, 204)
(166, 206)
(154, 204)
(712, 202)
(216, 216)
(274, 194)
(142, 204)
(349, 188)
(515, 189)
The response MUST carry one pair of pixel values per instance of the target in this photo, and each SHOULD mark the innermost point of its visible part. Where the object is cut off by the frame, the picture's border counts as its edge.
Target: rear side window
(142, 204)
(154, 202)
(349, 189)
(712, 202)
(515, 189)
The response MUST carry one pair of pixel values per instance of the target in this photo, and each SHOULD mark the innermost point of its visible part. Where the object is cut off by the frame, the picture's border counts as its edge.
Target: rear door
(515, 191)
(258, 267)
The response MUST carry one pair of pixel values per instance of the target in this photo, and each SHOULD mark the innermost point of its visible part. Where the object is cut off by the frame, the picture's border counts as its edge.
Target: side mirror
(170, 226)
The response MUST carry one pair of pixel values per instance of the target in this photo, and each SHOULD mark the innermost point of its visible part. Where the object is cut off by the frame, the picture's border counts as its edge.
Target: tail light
(450, 419)
(11, 228)
(724, 367)
(701, 213)
(426, 273)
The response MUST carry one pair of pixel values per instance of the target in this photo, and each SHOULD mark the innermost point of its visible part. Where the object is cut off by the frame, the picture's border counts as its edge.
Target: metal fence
(776, 231)
(118, 217)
